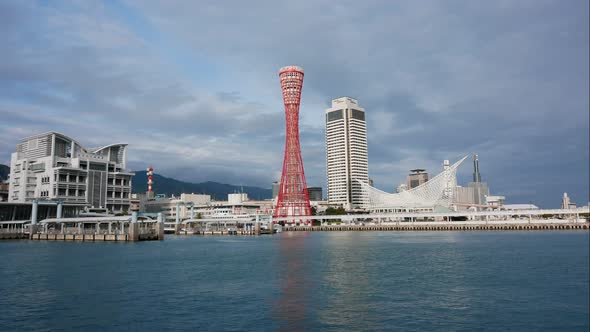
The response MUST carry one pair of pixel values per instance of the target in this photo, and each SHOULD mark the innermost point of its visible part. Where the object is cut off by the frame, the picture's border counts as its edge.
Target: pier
(88, 229)
(146, 227)
(452, 217)
(261, 224)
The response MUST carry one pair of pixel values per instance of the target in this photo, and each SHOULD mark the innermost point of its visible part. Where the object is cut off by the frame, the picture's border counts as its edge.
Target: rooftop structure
(416, 178)
(495, 201)
(476, 175)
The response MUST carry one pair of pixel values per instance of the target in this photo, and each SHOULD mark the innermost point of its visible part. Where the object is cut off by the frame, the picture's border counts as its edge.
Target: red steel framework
(293, 200)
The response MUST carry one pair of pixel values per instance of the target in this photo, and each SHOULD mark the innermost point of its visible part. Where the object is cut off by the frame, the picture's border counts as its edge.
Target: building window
(97, 167)
(37, 167)
(359, 115)
(334, 115)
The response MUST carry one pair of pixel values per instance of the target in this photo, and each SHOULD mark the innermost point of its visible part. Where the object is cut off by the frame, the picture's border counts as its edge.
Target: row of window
(339, 114)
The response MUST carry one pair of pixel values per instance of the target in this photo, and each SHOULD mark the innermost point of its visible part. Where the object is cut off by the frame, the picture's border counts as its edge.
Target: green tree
(335, 211)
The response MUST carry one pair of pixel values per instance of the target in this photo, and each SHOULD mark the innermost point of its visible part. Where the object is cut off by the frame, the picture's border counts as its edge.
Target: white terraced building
(53, 166)
(347, 164)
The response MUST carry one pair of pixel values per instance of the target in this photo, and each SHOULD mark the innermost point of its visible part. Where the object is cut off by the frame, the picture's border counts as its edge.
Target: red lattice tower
(293, 198)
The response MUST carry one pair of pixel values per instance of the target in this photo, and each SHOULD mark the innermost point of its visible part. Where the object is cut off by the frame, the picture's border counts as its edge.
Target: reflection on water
(350, 276)
(364, 279)
(291, 306)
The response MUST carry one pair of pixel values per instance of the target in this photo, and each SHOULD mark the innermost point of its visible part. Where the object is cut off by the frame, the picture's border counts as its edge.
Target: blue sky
(193, 88)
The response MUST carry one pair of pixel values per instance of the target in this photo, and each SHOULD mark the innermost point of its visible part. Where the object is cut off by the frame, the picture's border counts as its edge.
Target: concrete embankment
(82, 237)
(442, 227)
(13, 236)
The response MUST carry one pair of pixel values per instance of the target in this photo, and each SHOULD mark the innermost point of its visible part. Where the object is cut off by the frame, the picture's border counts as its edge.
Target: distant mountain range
(4, 172)
(218, 191)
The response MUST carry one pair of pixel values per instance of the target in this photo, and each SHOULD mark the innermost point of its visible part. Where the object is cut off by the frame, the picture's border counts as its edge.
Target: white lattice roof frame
(429, 194)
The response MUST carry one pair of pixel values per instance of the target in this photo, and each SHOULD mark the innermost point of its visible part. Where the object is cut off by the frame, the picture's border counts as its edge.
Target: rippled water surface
(341, 281)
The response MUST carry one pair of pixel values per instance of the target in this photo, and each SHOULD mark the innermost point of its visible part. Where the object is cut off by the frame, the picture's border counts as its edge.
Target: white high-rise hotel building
(346, 153)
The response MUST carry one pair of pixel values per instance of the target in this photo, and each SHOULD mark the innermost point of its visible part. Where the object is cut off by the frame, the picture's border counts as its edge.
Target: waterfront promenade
(141, 228)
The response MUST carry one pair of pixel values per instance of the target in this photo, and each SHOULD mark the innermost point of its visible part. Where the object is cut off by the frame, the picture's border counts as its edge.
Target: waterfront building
(347, 163)
(192, 206)
(416, 178)
(432, 195)
(45, 209)
(315, 193)
(237, 198)
(476, 191)
(480, 189)
(464, 195)
(197, 199)
(474, 194)
(169, 206)
(135, 202)
(53, 166)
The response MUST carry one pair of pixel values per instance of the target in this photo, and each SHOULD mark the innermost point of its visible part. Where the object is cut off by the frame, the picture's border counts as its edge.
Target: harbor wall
(442, 227)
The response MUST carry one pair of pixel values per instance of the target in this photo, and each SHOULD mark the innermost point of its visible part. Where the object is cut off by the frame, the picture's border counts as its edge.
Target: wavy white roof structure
(427, 195)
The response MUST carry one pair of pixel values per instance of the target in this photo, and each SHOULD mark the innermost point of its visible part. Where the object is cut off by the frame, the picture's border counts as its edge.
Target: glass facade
(359, 115)
(334, 115)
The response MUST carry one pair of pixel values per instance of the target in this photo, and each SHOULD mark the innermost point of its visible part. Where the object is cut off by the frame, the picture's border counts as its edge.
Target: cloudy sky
(193, 86)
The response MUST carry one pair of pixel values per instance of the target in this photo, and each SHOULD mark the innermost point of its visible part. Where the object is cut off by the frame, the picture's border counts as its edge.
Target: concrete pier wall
(80, 237)
(442, 227)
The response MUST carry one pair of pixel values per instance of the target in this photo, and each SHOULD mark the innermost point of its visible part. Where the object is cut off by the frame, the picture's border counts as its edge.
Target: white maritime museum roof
(434, 192)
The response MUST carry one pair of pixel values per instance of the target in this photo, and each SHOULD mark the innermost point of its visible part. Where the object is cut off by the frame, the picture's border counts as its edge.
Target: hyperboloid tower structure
(293, 199)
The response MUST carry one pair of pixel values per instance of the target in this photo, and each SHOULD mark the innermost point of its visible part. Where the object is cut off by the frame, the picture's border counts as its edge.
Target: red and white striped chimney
(150, 174)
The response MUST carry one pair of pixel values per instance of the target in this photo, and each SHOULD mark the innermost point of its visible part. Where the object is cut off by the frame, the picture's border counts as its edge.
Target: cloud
(193, 86)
